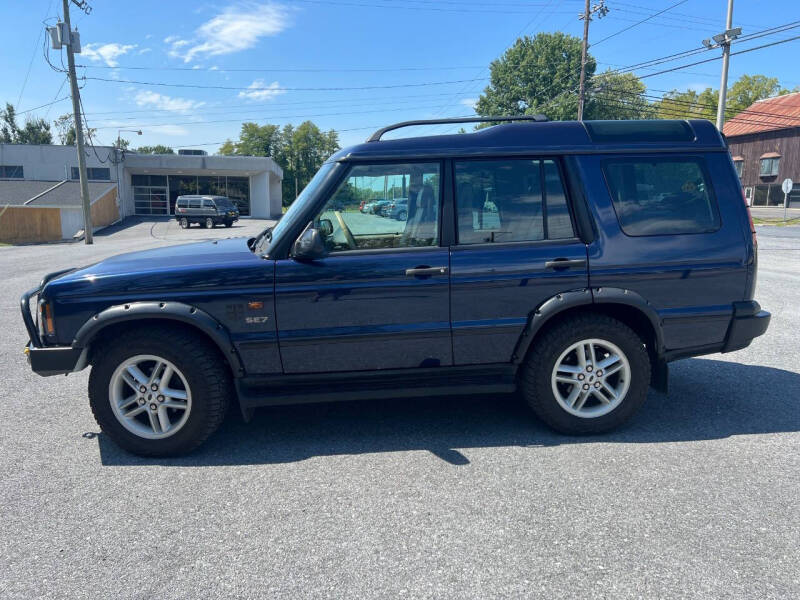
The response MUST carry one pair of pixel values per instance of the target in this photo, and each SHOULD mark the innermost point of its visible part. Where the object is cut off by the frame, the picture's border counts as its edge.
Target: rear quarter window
(662, 195)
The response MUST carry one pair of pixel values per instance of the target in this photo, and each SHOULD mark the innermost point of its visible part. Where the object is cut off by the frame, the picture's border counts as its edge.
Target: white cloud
(144, 51)
(258, 91)
(236, 28)
(158, 101)
(214, 68)
(108, 53)
(468, 102)
(167, 129)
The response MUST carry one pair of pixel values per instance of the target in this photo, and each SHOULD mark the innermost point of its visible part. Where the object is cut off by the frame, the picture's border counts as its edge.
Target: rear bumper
(748, 322)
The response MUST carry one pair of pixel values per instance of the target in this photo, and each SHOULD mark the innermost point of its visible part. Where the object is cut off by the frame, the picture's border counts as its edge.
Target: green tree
(536, 75)
(157, 149)
(35, 131)
(703, 105)
(300, 151)
(617, 96)
(65, 128)
(688, 105)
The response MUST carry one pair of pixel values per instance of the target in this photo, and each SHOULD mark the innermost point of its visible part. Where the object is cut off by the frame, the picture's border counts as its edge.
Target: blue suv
(571, 261)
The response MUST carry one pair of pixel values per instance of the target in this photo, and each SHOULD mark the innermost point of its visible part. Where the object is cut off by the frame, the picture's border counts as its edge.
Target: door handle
(423, 271)
(564, 263)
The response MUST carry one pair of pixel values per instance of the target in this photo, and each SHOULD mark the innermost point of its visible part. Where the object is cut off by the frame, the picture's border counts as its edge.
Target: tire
(208, 223)
(228, 223)
(550, 398)
(184, 222)
(402, 215)
(197, 362)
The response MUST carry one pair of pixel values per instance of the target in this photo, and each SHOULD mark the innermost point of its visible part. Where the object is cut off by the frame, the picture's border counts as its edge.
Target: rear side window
(661, 196)
(208, 203)
(513, 200)
(182, 202)
(194, 203)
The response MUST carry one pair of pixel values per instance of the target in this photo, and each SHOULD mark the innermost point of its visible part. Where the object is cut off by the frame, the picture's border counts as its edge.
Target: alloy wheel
(150, 396)
(591, 378)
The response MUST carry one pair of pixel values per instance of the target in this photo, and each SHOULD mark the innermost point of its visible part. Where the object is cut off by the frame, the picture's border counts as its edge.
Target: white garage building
(148, 184)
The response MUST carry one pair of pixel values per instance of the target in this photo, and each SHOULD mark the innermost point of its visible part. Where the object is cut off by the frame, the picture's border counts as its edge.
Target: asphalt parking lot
(429, 498)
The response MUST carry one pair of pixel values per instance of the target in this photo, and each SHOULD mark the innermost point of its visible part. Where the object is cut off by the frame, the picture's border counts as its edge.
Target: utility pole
(724, 40)
(586, 16)
(69, 40)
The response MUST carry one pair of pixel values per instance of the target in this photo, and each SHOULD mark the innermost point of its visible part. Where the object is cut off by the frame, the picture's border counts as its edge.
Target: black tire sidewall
(538, 371)
(193, 432)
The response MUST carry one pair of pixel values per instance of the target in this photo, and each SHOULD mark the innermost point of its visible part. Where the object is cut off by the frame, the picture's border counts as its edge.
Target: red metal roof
(780, 112)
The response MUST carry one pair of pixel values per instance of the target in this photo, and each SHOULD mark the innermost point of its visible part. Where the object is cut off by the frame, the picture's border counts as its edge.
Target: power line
(624, 29)
(281, 89)
(279, 69)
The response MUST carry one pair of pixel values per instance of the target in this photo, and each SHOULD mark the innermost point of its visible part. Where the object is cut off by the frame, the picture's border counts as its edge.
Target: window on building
(504, 201)
(661, 196)
(739, 166)
(93, 173)
(769, 166)
(11, 172)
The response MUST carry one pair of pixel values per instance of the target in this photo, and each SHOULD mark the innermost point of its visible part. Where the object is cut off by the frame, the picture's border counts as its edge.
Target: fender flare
(585, 297)
(171, 311)
(543, 313)
(612, 295)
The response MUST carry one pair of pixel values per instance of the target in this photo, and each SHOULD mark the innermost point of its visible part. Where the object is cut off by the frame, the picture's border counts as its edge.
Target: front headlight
(47, 325)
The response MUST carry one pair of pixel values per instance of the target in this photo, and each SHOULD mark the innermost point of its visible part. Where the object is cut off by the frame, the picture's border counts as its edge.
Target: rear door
(516, 247)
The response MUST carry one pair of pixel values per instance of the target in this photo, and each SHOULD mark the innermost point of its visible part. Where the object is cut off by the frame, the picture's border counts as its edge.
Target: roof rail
(375, 137)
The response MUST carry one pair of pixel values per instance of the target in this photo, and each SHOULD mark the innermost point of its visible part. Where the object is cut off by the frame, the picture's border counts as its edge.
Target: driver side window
(383, 206)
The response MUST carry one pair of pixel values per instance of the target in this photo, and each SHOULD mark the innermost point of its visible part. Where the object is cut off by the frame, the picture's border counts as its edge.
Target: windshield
(295, 210)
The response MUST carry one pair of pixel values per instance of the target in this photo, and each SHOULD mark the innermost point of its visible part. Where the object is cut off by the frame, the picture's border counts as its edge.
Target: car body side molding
(174, 311)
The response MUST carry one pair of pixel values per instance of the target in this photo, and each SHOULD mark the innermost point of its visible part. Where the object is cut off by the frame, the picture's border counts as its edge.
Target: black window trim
(5, 169)
(557, 159)
(701, 161)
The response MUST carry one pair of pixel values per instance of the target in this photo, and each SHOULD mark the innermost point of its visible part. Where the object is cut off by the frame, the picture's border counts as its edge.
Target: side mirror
(309, 246)
(325, 227)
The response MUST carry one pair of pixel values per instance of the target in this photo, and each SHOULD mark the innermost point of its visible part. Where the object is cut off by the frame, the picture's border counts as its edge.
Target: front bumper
(56, 360)
(48, 360)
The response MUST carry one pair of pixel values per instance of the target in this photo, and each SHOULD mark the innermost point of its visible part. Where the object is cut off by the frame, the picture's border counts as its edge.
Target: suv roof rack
(375, 137)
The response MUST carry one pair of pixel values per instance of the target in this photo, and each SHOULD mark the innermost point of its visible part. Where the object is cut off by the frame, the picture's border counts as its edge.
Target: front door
(380, 298)
(516, 248)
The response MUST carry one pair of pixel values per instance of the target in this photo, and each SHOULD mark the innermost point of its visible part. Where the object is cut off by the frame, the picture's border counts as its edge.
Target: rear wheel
(588, 374)
(159, 391)
(184, 222)
(209, 223)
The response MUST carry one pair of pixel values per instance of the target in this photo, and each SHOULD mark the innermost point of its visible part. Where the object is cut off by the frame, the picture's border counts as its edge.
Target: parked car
(207, 211)
(375, 206)
(612, 248)
(397, 209)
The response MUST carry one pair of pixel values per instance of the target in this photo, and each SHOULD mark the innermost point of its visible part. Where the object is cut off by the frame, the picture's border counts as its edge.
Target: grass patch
(776, 222)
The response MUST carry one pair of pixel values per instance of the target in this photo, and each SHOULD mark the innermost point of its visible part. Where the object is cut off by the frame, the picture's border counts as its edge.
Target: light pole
(724, 40)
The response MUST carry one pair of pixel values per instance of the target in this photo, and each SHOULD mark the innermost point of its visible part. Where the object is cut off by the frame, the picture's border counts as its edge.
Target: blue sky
(415, 58)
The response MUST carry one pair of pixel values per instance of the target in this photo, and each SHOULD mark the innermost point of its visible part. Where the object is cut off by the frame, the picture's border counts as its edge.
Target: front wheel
(209, 223)
(228, 223)
(159, 391)
(588, 374)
